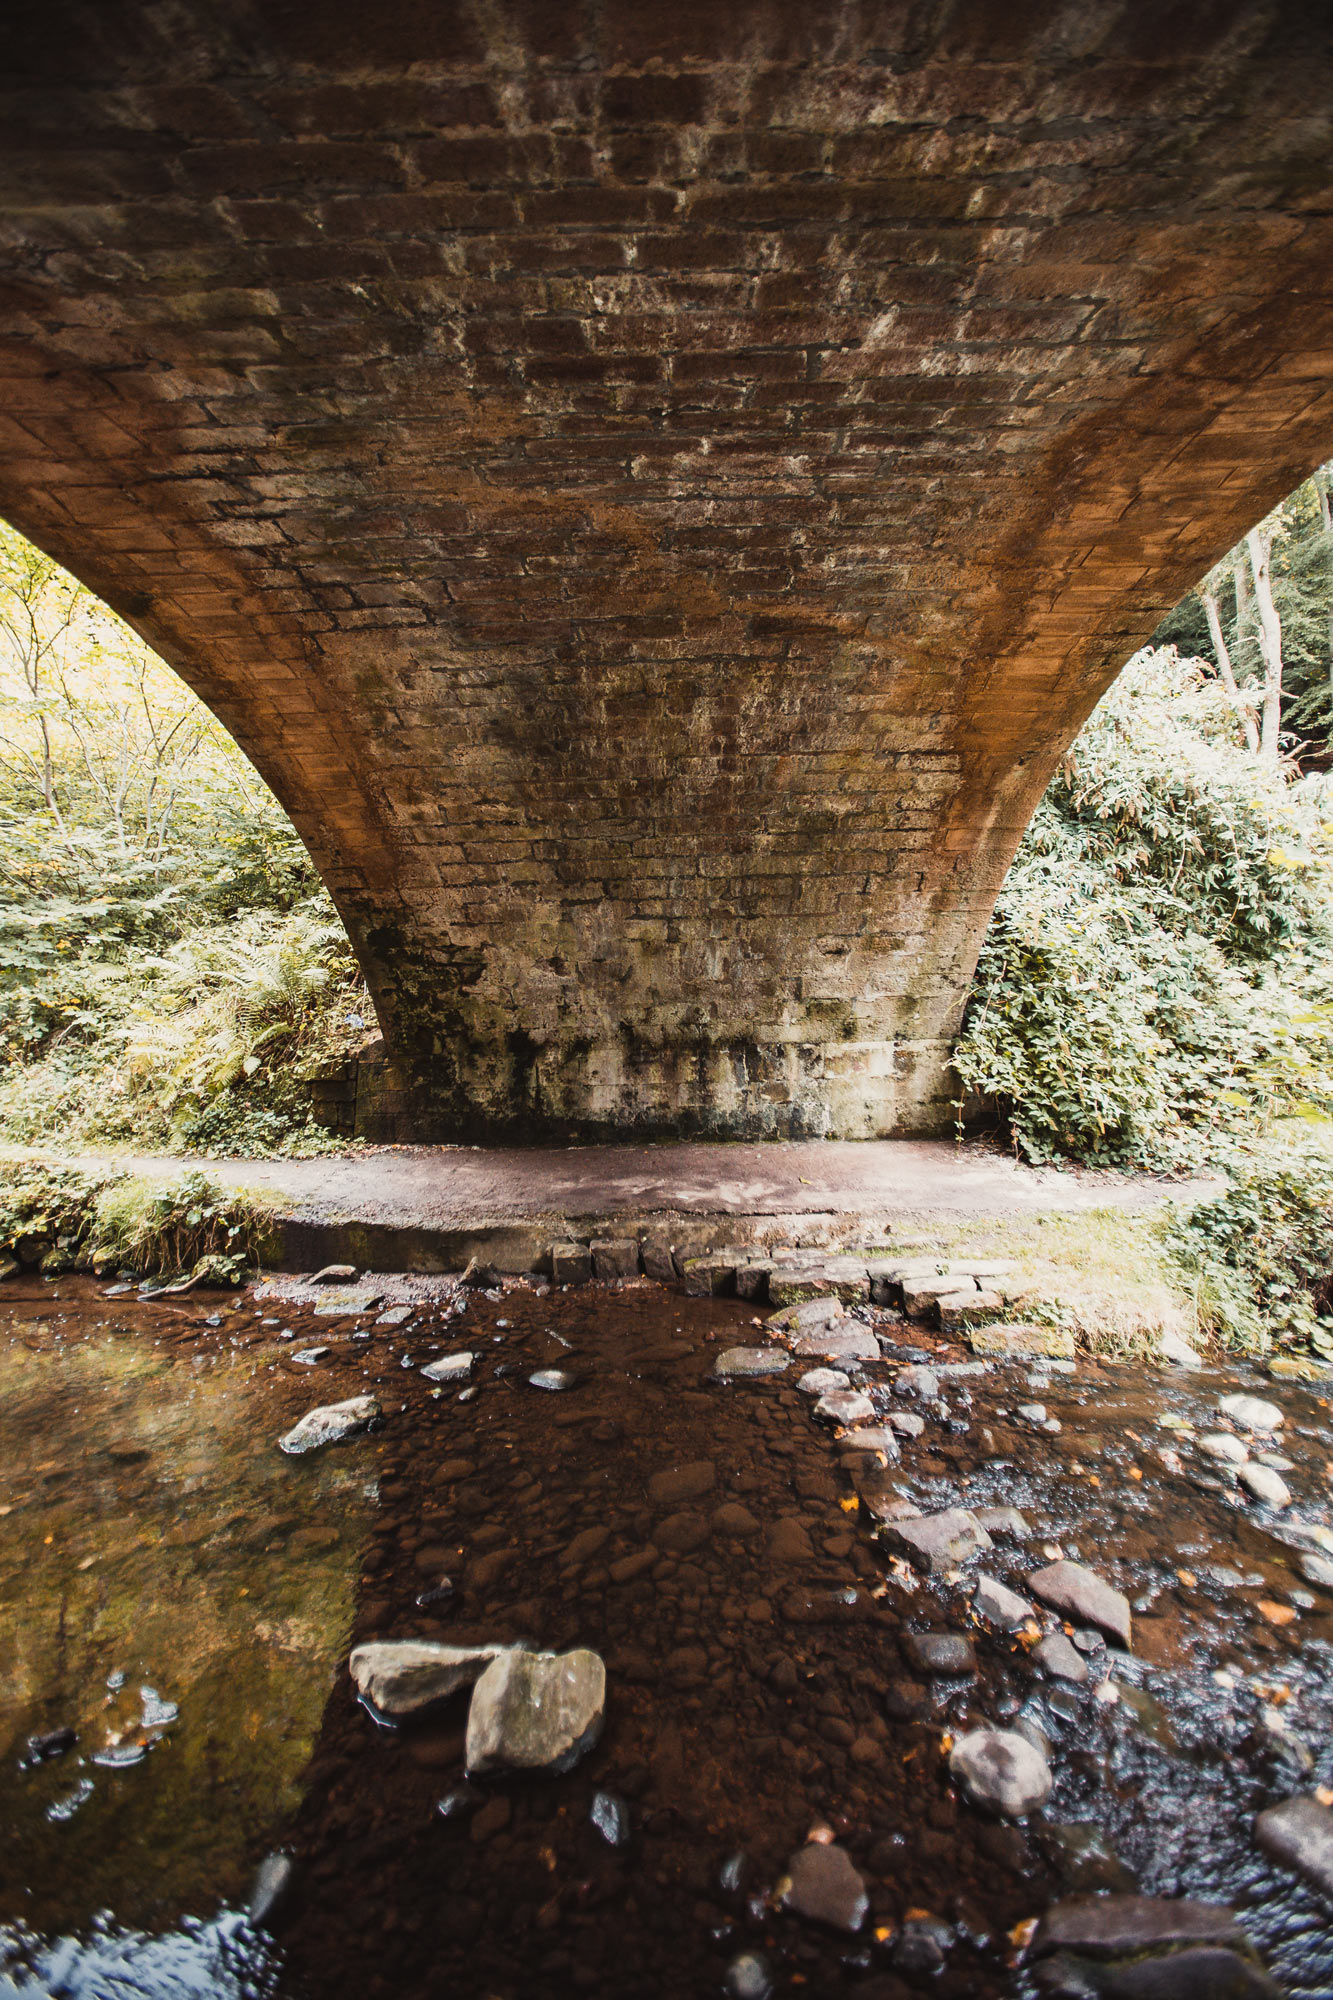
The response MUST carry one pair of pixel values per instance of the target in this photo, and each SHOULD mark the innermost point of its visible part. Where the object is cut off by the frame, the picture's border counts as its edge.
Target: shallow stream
(181, 1595)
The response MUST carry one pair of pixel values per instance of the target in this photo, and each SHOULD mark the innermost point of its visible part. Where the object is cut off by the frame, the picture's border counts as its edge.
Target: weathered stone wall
(655, 486)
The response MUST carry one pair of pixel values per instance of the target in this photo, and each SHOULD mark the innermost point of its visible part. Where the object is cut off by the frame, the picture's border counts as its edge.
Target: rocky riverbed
(905, 1652)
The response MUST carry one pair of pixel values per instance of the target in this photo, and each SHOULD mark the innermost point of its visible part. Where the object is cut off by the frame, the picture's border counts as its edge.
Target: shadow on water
(175, 1593)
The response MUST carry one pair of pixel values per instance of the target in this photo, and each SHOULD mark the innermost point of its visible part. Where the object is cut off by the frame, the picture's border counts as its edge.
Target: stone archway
(654, 490)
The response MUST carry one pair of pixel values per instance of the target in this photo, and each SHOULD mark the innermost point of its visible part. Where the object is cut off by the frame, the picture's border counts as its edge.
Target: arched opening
(173, 974)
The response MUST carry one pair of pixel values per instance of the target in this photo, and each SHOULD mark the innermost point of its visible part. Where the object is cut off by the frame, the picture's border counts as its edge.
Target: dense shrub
(1155, 985)
(1259, 1254)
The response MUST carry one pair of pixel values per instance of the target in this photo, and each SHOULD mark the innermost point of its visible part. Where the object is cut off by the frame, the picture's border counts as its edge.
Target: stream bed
(178, 1597)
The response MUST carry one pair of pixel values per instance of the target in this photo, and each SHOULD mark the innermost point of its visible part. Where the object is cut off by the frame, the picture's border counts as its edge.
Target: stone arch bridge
(655, 485)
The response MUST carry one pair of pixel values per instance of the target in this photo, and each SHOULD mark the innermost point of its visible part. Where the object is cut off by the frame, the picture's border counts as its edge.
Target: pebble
(271, 1886)
(552, 1379)
(1223, 1445)
(329, 1424)
(535, 1711)
(819, 1381)
(748, 1977)
(610, 1815)
(940, 1541)
(450, 1367)
(845, 1406)
(1056, 1657)
(676, 1483)
(1032, 1413)
(1266, 1485)
(1299, 1834)
(748, 1361)
(1001, 1769)
(906, 1422)
(1080, 1593)
(310, 1357)
(824, 1885)
(943, 1654)
(1252, 1413)
(1001, 1606)
(1003, 1521)
(395, 1315)
(1317, 1569)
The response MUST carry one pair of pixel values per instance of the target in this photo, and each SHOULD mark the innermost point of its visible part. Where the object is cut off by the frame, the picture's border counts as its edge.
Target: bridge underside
(655, 487)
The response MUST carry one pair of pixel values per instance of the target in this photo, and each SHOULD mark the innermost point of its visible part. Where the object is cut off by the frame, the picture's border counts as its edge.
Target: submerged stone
(747, 1361)
(824, 1885)
(1083, 1595)
(1112, 1926)
(1252, 1413)
(1000, 1769)
(450, 1367)
(940, 1541)
(328, 1424)
(1299, 1834)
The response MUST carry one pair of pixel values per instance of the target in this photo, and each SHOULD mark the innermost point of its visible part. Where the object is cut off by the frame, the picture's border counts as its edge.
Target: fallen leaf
(1134, 1472)
(849, 1506)
(1276, 1614)
(1187, 1577)
(1022, 1934)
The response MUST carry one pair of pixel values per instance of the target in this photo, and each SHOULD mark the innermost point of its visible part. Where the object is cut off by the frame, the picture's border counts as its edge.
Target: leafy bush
(1154, 985)
(1258, 1254)
(47, 1209)
(171, 969)
(189, 1225)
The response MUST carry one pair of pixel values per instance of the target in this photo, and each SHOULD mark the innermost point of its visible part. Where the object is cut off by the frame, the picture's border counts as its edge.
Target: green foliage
(171, 969)
(47, 1209)
(1258, 1254)
(1154, 984)
(184, 1226)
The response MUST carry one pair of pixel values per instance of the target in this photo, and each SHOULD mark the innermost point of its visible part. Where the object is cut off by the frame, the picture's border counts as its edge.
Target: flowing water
(181, 1595)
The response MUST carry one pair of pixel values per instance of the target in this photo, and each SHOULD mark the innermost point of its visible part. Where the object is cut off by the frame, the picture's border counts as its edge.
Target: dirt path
(457, 1187)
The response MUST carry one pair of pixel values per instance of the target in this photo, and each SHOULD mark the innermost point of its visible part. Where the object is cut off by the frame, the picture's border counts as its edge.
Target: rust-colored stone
(654, 489)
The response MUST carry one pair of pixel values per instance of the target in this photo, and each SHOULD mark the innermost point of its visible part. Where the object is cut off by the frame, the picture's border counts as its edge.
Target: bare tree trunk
(1243, 709)
(1260, 548)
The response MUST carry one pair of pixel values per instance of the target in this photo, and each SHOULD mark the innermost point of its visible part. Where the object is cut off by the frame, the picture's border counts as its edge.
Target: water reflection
(175, 1593)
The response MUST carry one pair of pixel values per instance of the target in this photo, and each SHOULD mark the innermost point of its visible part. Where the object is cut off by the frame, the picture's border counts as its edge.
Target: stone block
(615, 1257)
(708, 1277)
(571, 1264)
(752, 1280)
(659, 1260)
(1022, 1343)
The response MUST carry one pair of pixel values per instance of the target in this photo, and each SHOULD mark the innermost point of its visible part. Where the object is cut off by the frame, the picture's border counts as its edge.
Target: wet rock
(1002, 1770)
(1265, 1484)
(938, 1542)
(1191, 1975)
(1022, 1343)
(1252, 1413)
(1085, 1858)
(1083, 1595)
(1001, 1606)
(571, 1264)
(395, 1316)
(273, 1883)
(401, 1677)
(789, 1542)
(329, 1424)
(335, 1274)
(807, 1317)
(708, 1277)
(310, 1357)
(659, 1260)
(1063, 1662)
(735, 1521)
(922, 1946)
(819, 1381)
(845, 1406)
(1003, 1521)
(748, 1977)
(552, 1380)
(1317, 1569)
(833, 1344)
(1114, 1926)
(535, 1711)
(906, 1422)
(675, 1483)
(750, 1361)
(480, 1275)
(610, 1816)
(450, 1367)
(824, 1885)
(1224, 1446)
(1173, 1347)
(917, 1381)
(459, 1802)
(939, 1654)
(1299, 1834)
